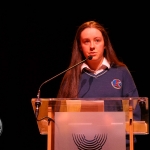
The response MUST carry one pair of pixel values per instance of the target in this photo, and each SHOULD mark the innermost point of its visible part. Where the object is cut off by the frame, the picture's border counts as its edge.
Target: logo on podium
(95, 144)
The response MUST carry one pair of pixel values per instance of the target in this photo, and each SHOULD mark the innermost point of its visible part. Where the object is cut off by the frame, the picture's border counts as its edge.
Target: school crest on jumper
(116, 83)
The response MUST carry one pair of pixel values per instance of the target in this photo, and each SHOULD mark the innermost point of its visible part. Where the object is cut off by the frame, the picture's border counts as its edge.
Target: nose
(92, 47)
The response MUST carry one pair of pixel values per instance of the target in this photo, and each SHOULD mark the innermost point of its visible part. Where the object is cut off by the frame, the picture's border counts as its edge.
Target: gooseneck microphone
(38, 101)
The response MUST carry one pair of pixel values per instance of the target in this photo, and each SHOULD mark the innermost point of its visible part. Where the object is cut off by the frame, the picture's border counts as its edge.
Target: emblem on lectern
(95, 144)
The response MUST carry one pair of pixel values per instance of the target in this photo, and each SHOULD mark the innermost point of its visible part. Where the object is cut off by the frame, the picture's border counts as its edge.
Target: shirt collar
(105, 64)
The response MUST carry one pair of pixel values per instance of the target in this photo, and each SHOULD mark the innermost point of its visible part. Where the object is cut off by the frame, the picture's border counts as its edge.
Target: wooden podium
(50, 108)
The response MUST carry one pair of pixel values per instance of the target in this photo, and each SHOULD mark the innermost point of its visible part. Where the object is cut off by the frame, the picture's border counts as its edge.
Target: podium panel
(89, 130)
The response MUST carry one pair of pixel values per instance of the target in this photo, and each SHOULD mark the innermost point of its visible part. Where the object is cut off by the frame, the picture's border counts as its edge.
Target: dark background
(35, 45)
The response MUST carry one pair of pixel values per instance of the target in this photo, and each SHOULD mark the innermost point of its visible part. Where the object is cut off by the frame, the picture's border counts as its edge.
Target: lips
(92, 54)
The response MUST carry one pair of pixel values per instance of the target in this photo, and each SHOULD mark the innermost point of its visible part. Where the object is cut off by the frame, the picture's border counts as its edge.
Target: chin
(96, 58)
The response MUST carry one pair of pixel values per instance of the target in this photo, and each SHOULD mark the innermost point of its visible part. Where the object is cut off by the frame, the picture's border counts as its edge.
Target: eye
(86, 41)
(97, 40)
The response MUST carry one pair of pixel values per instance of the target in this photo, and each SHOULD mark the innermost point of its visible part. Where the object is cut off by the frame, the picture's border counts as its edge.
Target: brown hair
(70, 81)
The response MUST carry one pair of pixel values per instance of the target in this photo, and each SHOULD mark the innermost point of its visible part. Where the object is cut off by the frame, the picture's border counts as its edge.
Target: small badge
(116, 83)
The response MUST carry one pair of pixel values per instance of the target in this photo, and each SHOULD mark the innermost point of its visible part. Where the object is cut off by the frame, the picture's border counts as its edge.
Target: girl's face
(92, 43)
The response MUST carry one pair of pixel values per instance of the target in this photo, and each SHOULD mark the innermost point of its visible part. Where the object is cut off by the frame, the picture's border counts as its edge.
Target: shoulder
(121, 70)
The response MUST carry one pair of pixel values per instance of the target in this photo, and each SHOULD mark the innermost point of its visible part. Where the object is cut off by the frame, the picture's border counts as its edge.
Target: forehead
(91, 32)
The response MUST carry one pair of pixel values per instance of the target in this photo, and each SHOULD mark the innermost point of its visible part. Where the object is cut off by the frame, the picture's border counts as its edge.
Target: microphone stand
(38, 101)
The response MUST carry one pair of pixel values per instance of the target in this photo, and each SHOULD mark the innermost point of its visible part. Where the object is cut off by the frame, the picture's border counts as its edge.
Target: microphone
(38, 101)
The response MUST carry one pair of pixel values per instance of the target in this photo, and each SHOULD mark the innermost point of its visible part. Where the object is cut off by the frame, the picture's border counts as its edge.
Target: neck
(95, 64)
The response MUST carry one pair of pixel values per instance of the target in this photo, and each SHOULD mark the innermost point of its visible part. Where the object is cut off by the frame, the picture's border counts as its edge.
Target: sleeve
(130, 90)
(129, 87)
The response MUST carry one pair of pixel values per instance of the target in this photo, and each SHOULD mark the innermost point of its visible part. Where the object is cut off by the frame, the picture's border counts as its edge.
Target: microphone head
(90, 57)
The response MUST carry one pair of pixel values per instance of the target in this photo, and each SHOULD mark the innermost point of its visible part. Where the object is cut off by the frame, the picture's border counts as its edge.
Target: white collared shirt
(103, 66)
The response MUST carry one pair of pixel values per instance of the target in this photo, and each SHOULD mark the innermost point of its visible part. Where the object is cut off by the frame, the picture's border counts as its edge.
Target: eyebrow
(94, 38)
